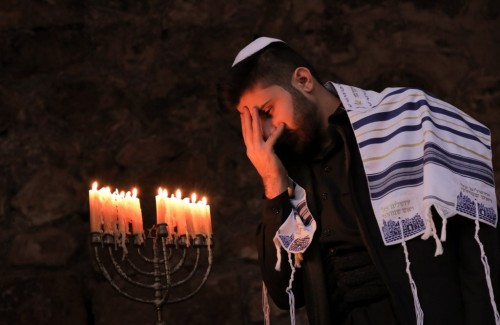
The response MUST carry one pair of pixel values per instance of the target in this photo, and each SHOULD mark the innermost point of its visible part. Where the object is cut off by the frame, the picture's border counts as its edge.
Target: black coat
(452, 287)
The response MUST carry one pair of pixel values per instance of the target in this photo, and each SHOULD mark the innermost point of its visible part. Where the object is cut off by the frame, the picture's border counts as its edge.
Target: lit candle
(206, 225)
(169, 218)
(123, 214)
(180, 218)
(95, 209)
(208, 219)
(122, 220)
(195, 215)
(115, 221)
(108, 210)
(201, 218)
(127, 209)
(137, 224)
(188, 215)
(161, 210)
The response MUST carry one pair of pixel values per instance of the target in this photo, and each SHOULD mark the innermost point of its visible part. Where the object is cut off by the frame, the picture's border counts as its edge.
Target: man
(347, 175)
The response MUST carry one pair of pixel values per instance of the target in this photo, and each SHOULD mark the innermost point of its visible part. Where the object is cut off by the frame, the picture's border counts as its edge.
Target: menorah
(164, 275)
(161, 272)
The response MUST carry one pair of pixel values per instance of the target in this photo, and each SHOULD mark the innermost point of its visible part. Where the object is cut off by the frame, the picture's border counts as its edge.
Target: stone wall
(124, 92)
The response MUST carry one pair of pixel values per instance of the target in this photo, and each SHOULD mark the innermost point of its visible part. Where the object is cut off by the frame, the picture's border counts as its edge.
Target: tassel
(484, 259)
(291, 297)
(265, 305)
(431, 230)
(418, 310)
(443, 229)
(428, 226)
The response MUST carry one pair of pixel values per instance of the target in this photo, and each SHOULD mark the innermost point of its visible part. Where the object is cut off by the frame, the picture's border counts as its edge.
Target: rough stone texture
(50, 195)
(124, 92)
(55, 298)
(47, 247)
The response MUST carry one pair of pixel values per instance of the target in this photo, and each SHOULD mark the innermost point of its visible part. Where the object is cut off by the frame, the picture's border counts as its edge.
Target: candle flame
(204, 200)
(160, 191)
(134, 193)
(193, 198)
(127, 195)
(178, 193)
(94, 185)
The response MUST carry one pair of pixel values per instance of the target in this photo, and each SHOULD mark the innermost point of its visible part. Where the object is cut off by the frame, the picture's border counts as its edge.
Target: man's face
(276, 105)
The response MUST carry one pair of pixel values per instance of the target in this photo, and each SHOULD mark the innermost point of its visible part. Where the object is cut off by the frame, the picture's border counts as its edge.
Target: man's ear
(302, 79)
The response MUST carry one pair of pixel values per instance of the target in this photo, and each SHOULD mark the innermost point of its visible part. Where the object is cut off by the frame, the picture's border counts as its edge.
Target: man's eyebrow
(262, 106)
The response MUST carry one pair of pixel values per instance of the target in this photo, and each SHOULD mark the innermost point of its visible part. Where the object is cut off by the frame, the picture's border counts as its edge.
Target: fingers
(271, 141)
(251, 127)
(256, 125)
(246, 126)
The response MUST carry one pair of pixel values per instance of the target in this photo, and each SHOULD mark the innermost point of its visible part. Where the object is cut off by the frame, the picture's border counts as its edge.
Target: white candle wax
(180, 218)
(188, 215)
(208, 220)
(195, 215)
(169, 218)
(123, 214)
(95, 209)
(137, 224)
(108, 210)
(160, 207)
(205, 217)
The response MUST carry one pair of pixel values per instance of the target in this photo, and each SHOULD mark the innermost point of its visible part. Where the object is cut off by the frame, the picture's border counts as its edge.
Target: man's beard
(304, 140)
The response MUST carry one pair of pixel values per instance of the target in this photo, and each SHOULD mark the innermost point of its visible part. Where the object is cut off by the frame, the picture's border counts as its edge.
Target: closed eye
(265, 112)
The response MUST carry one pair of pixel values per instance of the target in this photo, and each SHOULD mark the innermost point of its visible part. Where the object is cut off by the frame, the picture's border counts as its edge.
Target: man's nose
(267, 128)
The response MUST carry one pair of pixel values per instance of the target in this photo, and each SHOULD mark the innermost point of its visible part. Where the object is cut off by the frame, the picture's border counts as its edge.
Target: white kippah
(254, 47)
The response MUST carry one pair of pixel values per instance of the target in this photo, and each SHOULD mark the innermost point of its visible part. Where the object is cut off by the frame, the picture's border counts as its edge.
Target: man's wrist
(273, 188)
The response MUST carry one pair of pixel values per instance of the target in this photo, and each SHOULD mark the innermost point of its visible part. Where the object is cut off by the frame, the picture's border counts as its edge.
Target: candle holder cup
(162, 274)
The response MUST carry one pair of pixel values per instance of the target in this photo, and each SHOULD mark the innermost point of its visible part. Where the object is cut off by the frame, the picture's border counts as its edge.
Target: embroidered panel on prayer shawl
(419, 152)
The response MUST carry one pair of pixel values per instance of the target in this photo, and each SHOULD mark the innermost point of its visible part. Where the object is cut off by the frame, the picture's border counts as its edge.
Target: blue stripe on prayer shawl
(468, 167)
(404, 164)
(402, 174)
(409, 174)
(416, 127)
(467, 160)
(397, 91)
(413, 106)
(396, 185)
(402, 90)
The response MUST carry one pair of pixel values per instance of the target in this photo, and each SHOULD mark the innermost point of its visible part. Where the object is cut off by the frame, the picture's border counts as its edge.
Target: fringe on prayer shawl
(265, 305)
(418, 310)
(484, 259)
(298, 258)
(431, 231)
(289, 291)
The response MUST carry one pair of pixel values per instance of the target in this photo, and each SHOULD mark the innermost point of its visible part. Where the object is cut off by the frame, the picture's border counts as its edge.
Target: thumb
(276, 134)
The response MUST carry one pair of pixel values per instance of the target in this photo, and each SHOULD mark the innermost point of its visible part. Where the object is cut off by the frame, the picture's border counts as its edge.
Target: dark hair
(273, 65)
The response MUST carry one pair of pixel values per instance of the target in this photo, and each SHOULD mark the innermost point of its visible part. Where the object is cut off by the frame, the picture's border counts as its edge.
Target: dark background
(124, 92)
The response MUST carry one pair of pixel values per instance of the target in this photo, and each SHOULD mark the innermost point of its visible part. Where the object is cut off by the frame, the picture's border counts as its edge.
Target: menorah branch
(154, 277)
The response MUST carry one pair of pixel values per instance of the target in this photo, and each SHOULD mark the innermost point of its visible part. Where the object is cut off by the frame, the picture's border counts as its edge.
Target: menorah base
(162, 261)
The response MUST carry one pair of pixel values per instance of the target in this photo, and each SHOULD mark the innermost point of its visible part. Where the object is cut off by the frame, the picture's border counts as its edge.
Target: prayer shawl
(417, 152)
